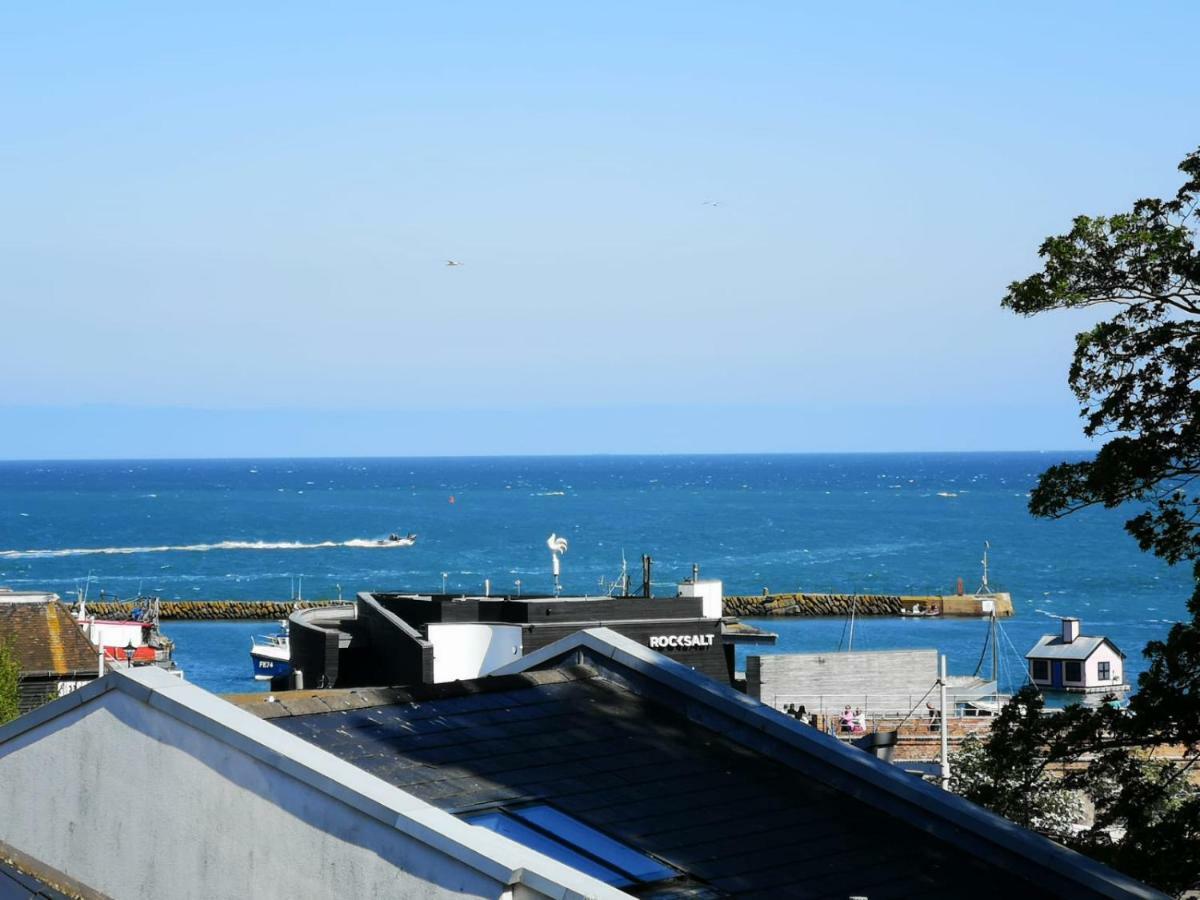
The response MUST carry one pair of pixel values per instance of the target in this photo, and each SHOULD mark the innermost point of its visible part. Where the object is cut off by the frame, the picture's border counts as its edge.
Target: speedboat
(271, 654)
(395, 540)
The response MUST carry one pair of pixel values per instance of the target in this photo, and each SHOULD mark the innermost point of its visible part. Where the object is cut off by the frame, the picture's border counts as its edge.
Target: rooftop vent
(1070, 630)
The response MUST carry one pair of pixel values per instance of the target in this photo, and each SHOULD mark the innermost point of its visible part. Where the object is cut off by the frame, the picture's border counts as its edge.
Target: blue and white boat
(271, 655)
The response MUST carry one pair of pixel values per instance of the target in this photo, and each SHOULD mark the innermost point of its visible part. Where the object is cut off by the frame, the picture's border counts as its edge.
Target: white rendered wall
(469, 650)
(1104, 653)
(135, 803)
(113, 634)
(711, 592)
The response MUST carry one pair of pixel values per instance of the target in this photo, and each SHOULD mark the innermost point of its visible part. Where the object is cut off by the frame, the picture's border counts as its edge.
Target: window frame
(1104, 670)
(1067, 670)
(1043, 665)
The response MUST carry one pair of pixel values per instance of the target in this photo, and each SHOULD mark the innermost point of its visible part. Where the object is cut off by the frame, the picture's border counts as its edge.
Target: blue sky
(225, 228)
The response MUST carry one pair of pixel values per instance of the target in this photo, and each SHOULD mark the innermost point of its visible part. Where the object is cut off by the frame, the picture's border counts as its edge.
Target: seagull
(453, 262)
(711, 203)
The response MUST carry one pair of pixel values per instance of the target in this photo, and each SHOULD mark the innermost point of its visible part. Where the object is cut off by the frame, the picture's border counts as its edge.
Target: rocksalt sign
(680, 641)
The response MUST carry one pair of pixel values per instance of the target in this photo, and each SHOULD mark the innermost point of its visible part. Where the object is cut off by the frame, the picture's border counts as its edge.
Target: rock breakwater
(839, 605)
(821, 605)
(199, 610)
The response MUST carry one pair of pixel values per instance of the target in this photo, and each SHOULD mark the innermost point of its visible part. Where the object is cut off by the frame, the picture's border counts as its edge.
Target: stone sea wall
(755, 606)
(209, 609)
(821, 605)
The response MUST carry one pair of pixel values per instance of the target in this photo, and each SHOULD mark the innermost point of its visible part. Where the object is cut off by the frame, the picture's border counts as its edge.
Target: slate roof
(16, 884)
(1052, 646)
(738, 821)
(45, 639)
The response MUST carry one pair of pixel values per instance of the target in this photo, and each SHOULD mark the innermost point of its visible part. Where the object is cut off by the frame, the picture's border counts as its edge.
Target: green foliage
(1036, 769)
(1007, 774)
(1136, 375)
(10, 677)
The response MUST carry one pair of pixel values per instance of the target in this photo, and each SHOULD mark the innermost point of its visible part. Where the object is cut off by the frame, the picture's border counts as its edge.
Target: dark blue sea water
(896, 523)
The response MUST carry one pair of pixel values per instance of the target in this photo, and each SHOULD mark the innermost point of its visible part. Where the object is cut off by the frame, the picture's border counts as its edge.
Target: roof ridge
(315, 702)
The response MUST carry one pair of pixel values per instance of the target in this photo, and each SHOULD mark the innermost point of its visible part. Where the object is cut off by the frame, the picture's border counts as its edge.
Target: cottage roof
(45, 638)
(736, 796)
(1052, 646)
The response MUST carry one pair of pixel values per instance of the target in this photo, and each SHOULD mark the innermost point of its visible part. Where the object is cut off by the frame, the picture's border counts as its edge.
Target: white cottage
(1076, 662)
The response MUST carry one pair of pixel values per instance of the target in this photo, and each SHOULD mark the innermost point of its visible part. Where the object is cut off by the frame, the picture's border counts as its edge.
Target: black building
(399, 638)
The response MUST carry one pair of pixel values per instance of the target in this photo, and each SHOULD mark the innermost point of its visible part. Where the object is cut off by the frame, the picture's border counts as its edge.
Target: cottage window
(1103, 671)
(1040, 669)
(1073, 671)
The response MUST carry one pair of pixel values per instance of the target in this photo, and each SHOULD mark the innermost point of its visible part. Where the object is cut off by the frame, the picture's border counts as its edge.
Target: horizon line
(595, 455)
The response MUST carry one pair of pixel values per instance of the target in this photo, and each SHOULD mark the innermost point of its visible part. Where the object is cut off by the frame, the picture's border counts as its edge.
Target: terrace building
(592, 767)
(54, 655)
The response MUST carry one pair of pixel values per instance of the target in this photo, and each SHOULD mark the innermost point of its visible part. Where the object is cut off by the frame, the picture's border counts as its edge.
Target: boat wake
(361, 543)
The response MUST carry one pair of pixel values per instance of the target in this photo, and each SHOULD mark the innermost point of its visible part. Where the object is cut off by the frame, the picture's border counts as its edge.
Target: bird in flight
(711, 203)
(453, 262)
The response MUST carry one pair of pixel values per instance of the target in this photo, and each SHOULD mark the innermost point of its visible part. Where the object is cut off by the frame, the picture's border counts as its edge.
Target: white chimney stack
(1070, 630)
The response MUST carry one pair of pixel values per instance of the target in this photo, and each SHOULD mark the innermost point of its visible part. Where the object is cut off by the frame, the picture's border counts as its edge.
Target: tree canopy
(1136, 375)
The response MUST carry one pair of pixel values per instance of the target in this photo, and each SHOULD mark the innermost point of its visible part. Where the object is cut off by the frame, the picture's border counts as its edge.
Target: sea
(275, 529)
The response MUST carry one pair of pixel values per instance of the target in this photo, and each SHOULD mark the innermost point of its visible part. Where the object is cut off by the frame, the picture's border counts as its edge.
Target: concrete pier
(839, 605)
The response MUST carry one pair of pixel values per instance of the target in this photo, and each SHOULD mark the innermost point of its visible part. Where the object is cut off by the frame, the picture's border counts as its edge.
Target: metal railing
(890, 710)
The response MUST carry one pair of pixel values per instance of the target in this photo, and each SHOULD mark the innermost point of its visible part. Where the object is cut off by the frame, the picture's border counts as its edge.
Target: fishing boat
(271, 654)
(135, 641)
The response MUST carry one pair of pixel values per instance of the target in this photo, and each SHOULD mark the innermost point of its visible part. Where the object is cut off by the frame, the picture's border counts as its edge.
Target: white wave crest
(201, 548)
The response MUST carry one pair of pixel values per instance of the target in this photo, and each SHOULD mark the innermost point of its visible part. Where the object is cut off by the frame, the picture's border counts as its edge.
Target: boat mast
(985, 588)
(853, 604)
(995, 651)
(944, 736)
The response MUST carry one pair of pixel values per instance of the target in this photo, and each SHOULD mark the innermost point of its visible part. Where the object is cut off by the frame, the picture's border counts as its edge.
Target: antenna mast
(985, 588)
(558, 546)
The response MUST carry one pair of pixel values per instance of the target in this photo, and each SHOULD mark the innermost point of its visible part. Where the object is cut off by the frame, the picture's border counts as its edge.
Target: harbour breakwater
(209, 610)
(841, 605)
(749, 607)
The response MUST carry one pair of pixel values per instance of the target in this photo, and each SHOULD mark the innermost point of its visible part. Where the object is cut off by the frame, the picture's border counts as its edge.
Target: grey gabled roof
(1052, 646)
(731, 819)
(948, 817)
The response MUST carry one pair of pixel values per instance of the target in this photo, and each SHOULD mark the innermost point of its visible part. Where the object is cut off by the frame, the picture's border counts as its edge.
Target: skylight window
(562, 837)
